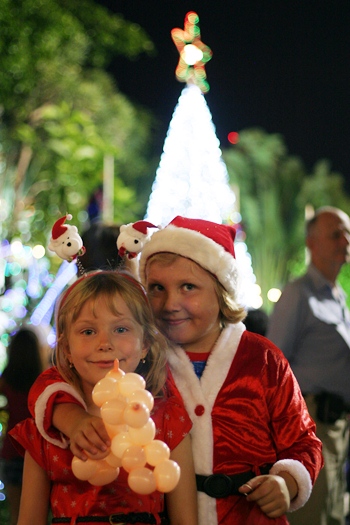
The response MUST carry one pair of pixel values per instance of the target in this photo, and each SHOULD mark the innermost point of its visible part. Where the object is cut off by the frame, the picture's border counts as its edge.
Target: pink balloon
(136, 414)
(167, 474)
(143, 435)
(112, 411)
(84, 469)
(156, 451)
(143, 396)
(133, 457)
(105, 389)
(130, 382)
(142, 480)
(105, 474)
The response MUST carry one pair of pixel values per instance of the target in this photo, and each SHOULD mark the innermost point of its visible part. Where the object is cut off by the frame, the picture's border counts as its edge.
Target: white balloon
(142, 481)
(143, 396)
(167, 474)
(156, 451)
(84, 469)
(136, 414)
(113, 430)
(105, 474)
(131, 382)
(105, 389)
(143, 435)
(120, 443)
(112, 411)
(133, 457)
(113, 461)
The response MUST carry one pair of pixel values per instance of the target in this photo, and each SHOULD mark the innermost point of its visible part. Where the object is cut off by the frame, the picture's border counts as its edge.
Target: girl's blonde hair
(109, 284)
(230, 311)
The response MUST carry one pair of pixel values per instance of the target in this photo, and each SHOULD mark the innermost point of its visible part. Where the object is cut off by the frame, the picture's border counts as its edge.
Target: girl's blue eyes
(119, 330)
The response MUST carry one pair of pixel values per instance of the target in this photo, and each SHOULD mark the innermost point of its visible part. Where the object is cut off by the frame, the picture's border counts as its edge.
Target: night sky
(279, 65)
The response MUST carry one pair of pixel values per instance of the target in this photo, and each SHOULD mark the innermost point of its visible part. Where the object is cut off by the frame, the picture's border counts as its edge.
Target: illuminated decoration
(233, 137)
(23, 280)
(192, 178)
(43, 312)
(193, 53)
(274, 294)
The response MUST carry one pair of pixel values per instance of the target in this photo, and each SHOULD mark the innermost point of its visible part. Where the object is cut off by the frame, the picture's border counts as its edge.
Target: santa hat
(207, 243)
(141, 226)
(59, 228)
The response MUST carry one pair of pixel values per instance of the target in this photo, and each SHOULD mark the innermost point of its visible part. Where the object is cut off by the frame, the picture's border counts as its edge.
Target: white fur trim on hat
(193, 245)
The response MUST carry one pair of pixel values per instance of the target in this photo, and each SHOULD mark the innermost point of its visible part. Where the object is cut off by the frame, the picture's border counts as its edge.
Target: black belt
(221, 485)
(132, 517)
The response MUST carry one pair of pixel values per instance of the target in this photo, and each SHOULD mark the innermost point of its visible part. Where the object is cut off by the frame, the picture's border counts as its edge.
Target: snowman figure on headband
(65, 240)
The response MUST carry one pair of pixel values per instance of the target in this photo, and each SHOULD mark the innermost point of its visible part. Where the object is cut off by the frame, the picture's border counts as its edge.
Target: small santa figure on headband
(65, 240)
(133, 237)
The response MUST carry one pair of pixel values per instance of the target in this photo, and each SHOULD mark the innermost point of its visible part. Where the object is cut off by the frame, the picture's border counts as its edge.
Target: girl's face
(185, 304)
(98, 337)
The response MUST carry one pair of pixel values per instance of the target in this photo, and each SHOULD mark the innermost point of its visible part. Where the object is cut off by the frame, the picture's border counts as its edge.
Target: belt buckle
(112, 522)
(217, 486)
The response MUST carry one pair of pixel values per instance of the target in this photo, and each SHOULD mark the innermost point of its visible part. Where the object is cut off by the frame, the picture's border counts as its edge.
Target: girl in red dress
(103, 316)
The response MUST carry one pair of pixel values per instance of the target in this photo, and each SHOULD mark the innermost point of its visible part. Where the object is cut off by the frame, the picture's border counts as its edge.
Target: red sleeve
(48, 390)
(25, 436)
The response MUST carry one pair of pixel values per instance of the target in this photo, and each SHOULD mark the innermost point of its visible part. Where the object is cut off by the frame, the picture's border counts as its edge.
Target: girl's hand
(88, 437)
(271, 493)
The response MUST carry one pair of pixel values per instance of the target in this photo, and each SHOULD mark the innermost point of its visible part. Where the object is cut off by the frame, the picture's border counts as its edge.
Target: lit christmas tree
(192, 178)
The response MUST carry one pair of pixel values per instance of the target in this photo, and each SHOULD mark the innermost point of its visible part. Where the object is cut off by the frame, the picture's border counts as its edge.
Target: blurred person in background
(100, 241)
(311, 325)
(28, 356)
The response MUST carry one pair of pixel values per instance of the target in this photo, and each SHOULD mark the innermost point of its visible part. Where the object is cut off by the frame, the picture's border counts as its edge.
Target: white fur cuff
(301, 476)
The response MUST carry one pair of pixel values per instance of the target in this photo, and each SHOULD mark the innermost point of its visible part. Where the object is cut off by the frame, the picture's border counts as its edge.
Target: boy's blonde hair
(230, 311)
(108, 284)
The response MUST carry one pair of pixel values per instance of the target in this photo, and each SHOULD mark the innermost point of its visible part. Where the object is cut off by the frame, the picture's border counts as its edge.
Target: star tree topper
(193, 53)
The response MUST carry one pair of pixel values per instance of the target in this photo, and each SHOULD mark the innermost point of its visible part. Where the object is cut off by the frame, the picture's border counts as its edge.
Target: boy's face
(98, 337)
(185, 304)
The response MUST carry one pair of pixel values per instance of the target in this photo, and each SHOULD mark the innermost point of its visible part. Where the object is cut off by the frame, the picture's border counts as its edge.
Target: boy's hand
(271, 493)
(88, 437)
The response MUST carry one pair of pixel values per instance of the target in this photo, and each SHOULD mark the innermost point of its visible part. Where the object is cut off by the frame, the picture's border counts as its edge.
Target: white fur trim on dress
(301, 476)
(40, 409)
(193, 245)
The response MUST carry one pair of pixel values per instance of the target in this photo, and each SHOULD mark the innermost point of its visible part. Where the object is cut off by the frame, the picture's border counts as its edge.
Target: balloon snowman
(125, 407)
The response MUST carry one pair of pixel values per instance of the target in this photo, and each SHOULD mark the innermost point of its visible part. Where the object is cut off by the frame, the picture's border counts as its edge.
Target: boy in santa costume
(254, 445)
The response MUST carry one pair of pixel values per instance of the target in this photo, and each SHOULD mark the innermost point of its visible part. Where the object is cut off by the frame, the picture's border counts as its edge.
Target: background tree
(61, 113)
(274, 192)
